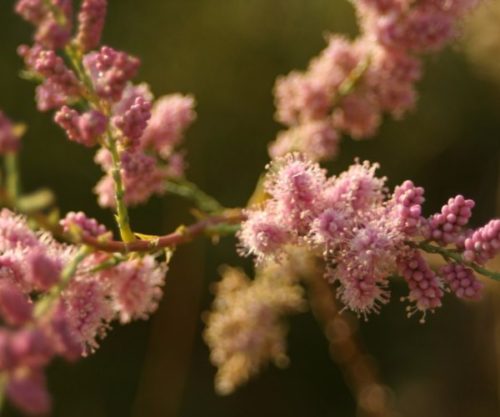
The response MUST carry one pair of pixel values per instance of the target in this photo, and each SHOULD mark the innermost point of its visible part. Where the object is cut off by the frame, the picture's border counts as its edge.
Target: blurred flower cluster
(246, 327)
(351, 84)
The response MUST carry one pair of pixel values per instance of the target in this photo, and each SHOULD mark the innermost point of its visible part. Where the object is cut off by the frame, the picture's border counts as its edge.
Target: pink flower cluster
(351, 84)
(53, 29)
(364, 233)
(148, 133)
(39, 326)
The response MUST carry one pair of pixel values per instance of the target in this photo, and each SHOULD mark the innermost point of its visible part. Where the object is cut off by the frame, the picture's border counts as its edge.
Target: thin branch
(448, 255)
(180, 236)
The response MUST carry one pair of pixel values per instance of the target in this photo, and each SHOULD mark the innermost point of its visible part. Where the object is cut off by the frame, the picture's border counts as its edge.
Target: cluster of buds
(365, 234)
(351, 84)
(46, 315)
(115, 112)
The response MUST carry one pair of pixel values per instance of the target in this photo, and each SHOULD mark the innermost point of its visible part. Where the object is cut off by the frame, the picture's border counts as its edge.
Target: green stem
(56, 11)
(190, 191)
(350, 83)
(122, 217)
(67, 274)
(107, 264)
(449, 255)
(12, 177)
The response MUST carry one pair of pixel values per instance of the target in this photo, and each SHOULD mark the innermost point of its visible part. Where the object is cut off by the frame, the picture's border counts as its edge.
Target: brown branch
(373, 398)
(180, 236)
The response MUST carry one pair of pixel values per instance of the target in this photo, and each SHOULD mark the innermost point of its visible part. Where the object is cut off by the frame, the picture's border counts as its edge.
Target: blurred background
(228, 54)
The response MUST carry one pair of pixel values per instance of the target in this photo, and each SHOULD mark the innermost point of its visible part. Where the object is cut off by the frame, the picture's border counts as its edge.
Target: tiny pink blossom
(92, 124)
(407, 203)
(484, 243)
(171, 116)
(15, 232)
(262, 234)
(136, 288)
(425, 288)
(446, 227)
(88, 310)
(134, 121)
(462, 281)
(295, 184)
(110, 71)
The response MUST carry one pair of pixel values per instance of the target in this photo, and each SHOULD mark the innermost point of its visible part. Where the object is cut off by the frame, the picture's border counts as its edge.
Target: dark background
(228, 54)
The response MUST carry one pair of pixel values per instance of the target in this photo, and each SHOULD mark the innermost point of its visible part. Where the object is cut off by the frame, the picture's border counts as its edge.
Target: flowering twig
(448, 255)
(122, 217)
(75, 58)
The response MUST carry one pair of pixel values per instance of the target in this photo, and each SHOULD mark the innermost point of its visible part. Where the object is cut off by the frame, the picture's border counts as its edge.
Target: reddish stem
(180, 236)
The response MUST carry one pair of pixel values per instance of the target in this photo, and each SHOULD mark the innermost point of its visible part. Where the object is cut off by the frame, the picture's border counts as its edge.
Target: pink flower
(407, 203)
(110, 71)
(92, 124)
(484, 243)
(88, 310)
(447, 227)
(425, 288)
(171, 116)
(134, 121)
(295, 184)
(135, 288)
(358, 186)
(462, 281)
(15, 232)
(85, 128)
(318, 140)
(91, 19)
(362, 294)
(262, 234)
(60, 81)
